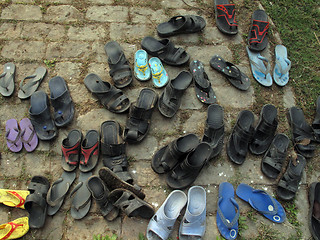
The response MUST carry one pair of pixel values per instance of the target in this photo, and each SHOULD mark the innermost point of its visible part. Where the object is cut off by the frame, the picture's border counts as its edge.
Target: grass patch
(100, 237)
(50, 63)
(266, 232)
(292, 216)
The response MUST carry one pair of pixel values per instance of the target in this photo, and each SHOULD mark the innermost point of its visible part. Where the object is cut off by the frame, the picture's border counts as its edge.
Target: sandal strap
(258, 31)
(31, 135)
(227, 12)
(58, 200)
(84, 203)
(264, 71)
(169, 52)
(113, 149)
(285, 70)
(89, 152)
(127, 202)
(30, 83)
(140, 113)
(35, 198)
(67, 151)
(229, 224)
(4, 83)
(18, 137)
(121, 64)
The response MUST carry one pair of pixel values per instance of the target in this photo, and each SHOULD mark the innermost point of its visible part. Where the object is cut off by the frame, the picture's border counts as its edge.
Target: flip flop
(282, 66)
(13, 198)
(228, 212)
(7, 80)
(13, 136)
(28, 135)
(204, 91)
(193, 224)
(259, 71)
(89, 151)
(160, 76)
(32, 85)
(58, 191)
(141, 68)
(70, 147)
(14, 229)
(257, 37)
(262, 202)
(314, 211)
(161, 224)
(225, 17)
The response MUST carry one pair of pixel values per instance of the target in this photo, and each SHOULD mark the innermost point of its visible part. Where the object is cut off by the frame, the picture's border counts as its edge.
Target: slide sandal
(316, 121)
(282, 66)
(165, 50)
(204, 91)
(13, 198)
(61, 101)
(193, 224)
(259, 71)
(14, 229)
(141, 67)
(160, 76)
(262, 202)
(225, 17)
(257, 37)
(314, 211)
(32, 85)
(71, 150)
(169, 156)
(89, 151)
(58, 191)
(228, 212)
(40, 116)
(161, 224)
(181, 25)
(28, 135)
(120, 70)
(170, 99)
(13, 136)
(237, 78)
(7, 80)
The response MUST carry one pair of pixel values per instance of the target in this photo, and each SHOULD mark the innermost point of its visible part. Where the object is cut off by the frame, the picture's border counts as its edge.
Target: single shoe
(160, 76)
(225, 17)
(14, 229)
(13, 136)
(7, 80)
(13, 198)
(257, 37)
(142, 70)
(282, 66)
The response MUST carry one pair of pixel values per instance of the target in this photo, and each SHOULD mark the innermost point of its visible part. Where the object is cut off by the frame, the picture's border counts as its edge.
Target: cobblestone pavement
(69, 35)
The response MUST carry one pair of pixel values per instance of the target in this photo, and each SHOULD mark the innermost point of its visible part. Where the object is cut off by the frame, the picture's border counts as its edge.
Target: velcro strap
(140, 113)
(113, 149)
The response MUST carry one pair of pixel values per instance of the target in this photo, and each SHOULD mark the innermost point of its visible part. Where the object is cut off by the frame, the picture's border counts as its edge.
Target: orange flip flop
(15, 229)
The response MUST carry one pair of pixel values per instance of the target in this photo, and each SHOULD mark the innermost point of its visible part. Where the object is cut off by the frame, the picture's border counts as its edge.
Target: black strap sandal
(257, 37)
(225, 17)
(71, 150)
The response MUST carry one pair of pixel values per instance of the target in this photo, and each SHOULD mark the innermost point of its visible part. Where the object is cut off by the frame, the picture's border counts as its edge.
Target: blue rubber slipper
(259, 70)
(159, 75)
(193, 224)
(141, 68)
(262, 202)
(282, 66)
(228, 212)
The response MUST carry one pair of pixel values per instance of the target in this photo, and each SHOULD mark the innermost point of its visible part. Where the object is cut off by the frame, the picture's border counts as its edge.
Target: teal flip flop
(141, 68)
(282, 66)
(160, 76)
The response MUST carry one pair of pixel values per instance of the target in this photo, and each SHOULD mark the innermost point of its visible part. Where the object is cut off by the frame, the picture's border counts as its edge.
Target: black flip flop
(170, 99)
(112, 98)
(32, 85)
(89, 151)
(203, 88)
(316, 121)
(314, 211)
(7, 80)
(237, 78)
(169, 156)
(120, 70)
(61, 101)
(40, 116)
(165, 50)
(257, 37)
(225, 17)
(181, 25)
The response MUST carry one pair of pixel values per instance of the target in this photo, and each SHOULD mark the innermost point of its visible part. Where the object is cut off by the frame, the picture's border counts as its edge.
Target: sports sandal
(214, 129)
(204, 91)
(89, 151)
(225, 17)
(7, 80)
(316, 121)
(265, 130)
(61, 101)
(141, 67)
(32, 85)
(162, 223)
(185, 173)
(58, 191)
(110, 97)
(301, 131)
(314, 211)
(130, 204)
(193, 224)
(289, 182)
(282, 66)
(13, 198)
(15, 229)
(181, 25)
(257, 37)
(170, 99)
(13, 136)
(165, 50)
(100, 193)
(160, 76)
(261, 201)
(273, 159)
(28, 135)
(228, 212)
(120, 70)
(237, 78)
(71, 150)
(240, 138)
(137, 125)
(169, 156)
(113, 150)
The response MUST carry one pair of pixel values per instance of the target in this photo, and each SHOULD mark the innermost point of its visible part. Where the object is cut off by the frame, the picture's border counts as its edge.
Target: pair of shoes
(228, 209)
(314, 212)
(193, 224)
(21, 135)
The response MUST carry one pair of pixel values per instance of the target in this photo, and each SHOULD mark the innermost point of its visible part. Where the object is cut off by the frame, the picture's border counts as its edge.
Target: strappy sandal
(89, 151)
(7, 80)
(71, 150)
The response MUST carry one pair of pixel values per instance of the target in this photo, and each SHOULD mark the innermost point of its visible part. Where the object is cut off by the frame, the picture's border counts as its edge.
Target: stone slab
(107, 13)
(87, 33)
(68, 50)
(63, 14)
(22, 50)
(21, 12)
(34, 31)
(10, 30)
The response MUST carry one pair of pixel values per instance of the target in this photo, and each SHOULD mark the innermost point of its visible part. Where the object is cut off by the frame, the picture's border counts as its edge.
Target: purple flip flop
(28, 135)
(14, 142)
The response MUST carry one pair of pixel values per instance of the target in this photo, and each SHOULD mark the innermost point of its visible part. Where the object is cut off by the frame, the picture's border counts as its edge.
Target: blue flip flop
(141, 68)
(262, 202)
(228, 212)
(282, 66)
(159, 75)
(259, 70)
